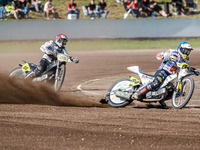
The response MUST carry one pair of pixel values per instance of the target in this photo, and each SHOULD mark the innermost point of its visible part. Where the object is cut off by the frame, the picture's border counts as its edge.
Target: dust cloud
(16, 91)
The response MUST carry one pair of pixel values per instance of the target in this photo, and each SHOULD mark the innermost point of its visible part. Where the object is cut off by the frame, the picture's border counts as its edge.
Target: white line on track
(85, 91)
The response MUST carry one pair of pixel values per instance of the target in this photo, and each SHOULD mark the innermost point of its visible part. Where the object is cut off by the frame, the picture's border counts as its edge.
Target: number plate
(25, 67)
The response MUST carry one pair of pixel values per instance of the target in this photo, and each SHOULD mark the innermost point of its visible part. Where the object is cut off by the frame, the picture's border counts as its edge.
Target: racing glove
(75, 60)
(196, 72)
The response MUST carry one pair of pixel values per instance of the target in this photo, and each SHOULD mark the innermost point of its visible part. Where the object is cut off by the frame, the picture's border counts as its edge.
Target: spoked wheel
(115, 101)
(180, 99)
(59, 77)
(17, 73)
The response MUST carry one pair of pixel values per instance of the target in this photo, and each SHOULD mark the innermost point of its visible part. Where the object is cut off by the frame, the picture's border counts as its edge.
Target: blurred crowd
(21, 8)
(137, 8)
(147, 8)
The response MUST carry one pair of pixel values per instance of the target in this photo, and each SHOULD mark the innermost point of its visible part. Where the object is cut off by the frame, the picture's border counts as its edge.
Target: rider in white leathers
(169, 66)
(50, 50)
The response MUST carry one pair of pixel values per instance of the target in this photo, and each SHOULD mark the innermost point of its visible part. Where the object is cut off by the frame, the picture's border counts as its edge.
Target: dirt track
(35, 117)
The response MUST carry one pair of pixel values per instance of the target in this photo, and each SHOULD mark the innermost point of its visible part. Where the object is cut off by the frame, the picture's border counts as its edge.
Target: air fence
(100, 29)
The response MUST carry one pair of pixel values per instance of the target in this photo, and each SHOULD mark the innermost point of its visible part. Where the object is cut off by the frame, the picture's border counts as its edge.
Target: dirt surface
(33, 116)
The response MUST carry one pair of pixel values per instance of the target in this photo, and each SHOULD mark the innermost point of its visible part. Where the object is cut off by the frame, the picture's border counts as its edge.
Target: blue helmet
(184, 49)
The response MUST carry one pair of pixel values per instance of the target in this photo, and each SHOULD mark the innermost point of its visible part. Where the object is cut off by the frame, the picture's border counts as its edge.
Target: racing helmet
(60, 40)
(184, 49)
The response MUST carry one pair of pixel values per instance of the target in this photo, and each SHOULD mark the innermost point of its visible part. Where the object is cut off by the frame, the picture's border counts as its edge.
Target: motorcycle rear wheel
(111, 97)
(18, 73)
(180, 100)
(59, 77)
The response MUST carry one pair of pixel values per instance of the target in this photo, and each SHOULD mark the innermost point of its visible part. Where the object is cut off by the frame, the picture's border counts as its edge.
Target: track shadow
(139, 106)
(151, 106)
(190, 107)
(94, 89)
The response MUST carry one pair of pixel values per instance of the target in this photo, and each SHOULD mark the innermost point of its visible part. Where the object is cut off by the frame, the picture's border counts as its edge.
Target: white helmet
(184, 49)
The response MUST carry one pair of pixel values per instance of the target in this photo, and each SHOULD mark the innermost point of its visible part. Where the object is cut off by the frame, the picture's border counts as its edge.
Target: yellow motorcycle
(55, 72)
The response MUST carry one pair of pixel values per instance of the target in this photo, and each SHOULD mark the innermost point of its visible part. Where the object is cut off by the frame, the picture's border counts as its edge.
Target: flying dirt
(16, 91)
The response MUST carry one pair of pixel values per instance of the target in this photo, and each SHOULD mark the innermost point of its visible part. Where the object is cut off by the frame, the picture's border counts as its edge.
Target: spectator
(72, 8)
(49, 8)
(102, 8)
(37, 4)
(118, 1)
(145, 7)
(10, 9)
(92, 10)
(154, 6)
(191, 3)
(20, 6)
(126, 3)
(2, 11)
(135, 9)
(178, 4)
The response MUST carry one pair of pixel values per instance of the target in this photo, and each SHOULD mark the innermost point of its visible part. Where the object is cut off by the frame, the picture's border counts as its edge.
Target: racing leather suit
(50, 50)
(169, 66)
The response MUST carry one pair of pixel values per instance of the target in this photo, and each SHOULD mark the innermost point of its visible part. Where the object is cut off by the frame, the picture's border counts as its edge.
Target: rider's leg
(140, 92)
(160, 75)
(41, 67)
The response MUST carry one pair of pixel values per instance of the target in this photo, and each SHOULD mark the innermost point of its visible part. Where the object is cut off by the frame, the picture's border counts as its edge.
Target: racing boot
(162, 103)
(33, 74)
(139, 93)
(39, 69)
(136, 96)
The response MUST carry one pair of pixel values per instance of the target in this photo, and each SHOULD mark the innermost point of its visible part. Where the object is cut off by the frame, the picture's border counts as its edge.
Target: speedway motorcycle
(178, 87)
(55, 72)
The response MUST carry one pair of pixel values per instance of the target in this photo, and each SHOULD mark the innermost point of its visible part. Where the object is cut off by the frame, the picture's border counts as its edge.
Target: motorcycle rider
(50, 50)
(169, 66)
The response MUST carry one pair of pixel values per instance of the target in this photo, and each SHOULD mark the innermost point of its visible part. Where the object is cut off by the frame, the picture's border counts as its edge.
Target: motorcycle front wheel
(18, 73)
(180, 100)
(112, 99)
(59, 77)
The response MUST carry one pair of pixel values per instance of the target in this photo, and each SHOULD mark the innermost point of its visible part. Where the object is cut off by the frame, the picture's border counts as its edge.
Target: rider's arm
(66, 53)
(71, 59)
(164, 55)
(190, 68)
(47, 48)
(160, 56)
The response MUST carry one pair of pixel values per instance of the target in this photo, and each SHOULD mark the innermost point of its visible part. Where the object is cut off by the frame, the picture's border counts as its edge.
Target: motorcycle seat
(149, 75)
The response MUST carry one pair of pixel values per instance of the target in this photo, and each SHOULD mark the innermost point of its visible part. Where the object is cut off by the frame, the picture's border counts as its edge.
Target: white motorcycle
(179, 87)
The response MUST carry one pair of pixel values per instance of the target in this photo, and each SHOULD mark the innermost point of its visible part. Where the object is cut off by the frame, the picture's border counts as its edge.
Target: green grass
(116, 9)
(128, 44)
(21, 46)
(91, 45)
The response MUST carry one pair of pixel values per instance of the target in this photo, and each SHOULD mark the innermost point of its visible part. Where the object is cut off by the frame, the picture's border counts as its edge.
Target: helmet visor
(185, 51)
(64, 41)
